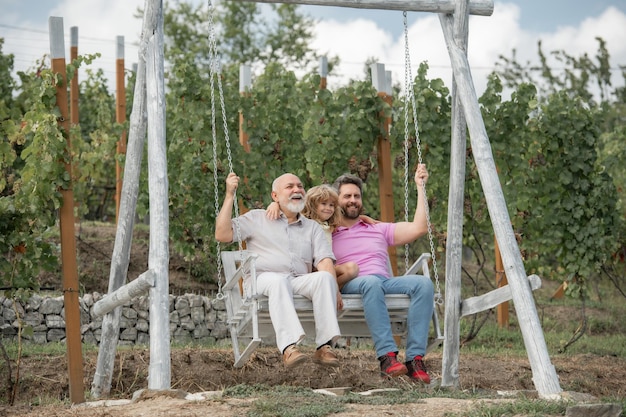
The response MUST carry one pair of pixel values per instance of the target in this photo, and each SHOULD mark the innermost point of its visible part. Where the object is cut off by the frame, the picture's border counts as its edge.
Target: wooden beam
(476, 7)
(66, 223)
(493, 298)
(124, 294)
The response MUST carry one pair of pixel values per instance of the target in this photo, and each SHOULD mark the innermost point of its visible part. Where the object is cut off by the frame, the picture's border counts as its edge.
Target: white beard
(295, 207)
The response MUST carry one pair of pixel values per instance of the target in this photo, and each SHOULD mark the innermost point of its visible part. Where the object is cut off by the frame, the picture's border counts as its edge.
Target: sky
(352, 34)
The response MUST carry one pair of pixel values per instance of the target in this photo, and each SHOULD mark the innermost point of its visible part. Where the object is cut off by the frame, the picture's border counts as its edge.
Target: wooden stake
(323, 72)
(74, 91)
(502, 310)
(66, 225)
(382, 82)
(245, 81)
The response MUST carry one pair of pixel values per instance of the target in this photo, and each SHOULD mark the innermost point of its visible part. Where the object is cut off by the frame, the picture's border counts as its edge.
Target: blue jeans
(373, 289)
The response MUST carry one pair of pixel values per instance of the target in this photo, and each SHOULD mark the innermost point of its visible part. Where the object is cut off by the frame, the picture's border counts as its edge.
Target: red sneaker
(390, 367)
(417, 370)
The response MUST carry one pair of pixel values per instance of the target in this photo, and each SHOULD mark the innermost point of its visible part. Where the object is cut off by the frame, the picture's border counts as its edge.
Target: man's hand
(421, 175)
(339, 301)
(232, 182)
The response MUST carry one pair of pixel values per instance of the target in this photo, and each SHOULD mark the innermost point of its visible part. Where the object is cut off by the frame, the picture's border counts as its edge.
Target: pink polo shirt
(365, 244)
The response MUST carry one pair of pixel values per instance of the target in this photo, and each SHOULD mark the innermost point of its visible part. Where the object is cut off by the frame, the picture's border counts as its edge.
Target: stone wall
(193, 318)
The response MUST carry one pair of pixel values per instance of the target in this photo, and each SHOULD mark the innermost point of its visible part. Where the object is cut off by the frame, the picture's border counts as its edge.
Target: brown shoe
(292, 357)
(325, 356)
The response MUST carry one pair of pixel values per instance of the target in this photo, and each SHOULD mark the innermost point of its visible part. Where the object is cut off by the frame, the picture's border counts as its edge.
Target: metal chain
(410, 95)
(214, 73)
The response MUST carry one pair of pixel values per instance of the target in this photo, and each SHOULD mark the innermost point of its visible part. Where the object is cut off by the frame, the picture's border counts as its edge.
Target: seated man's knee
(423, 283)
(352, 269)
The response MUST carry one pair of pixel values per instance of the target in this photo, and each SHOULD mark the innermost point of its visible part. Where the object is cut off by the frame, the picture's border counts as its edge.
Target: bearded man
(366, 244)
(288, 249)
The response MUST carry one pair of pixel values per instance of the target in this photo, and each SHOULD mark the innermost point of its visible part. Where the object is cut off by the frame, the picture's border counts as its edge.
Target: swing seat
(249, 319)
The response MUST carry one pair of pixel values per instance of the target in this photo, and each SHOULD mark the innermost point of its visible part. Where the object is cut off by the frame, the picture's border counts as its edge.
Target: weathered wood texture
(159, 373)
(544, 375)
(101, 385)
(476, 7)
(124, 294)
(456, 199)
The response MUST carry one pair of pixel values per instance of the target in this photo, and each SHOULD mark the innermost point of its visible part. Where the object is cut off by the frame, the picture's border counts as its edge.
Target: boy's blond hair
(318, 194)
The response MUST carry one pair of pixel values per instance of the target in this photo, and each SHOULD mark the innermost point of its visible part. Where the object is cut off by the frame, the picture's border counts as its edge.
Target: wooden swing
(248, 312)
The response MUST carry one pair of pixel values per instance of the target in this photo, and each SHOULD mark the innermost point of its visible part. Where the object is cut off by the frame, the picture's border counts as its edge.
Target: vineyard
(557, 145)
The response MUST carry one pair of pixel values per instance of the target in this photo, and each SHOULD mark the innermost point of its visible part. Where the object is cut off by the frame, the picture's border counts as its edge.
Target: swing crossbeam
(248, 313)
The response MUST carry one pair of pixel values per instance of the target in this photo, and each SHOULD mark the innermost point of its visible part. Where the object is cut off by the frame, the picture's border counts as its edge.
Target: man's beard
(352, 212)
(295, 206)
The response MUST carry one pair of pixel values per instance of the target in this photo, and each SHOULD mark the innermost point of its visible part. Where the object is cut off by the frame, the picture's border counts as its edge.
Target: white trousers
(320, 287)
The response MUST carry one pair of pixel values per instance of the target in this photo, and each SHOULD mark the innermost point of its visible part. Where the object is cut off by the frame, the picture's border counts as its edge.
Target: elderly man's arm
(223, 225)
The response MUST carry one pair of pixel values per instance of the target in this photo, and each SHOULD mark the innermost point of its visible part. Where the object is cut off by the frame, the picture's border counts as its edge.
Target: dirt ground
(201, 370)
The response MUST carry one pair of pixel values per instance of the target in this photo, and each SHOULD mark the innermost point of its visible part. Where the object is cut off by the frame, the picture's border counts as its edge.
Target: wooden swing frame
(466, 116)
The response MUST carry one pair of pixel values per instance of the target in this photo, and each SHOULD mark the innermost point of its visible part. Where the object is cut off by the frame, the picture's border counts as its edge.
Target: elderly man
(288, 248)
(367, 244)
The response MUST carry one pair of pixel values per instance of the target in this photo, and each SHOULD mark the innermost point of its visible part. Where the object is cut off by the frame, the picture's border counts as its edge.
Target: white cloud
(99, 23)
(489, 37)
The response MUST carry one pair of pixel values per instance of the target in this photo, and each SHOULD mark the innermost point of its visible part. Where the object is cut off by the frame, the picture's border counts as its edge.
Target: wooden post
(456, 200)
(502, 310)
(66, 225)
(101, 385)
(245, 81)
(74, 91)
(159, 374)
(323, 72)
(120, 117)
(544, 374)
(382, 83)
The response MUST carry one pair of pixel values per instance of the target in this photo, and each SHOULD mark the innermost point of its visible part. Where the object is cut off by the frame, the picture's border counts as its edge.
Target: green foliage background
(557, 147)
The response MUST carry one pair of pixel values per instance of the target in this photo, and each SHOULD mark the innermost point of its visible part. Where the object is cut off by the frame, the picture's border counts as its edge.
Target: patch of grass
(522, 407)
(288, 401)
(36, 349)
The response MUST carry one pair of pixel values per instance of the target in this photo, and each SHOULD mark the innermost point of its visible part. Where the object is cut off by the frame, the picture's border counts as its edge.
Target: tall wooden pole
(456, 197)
(66, 224)
(382, 82)
(245, 81)
(323, 72)
(74, 93)
(120, 117)
(159, 374)
(74, 83)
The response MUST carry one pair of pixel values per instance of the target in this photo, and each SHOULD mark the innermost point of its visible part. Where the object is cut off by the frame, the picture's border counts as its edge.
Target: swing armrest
(249, 259)
(421, 265)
